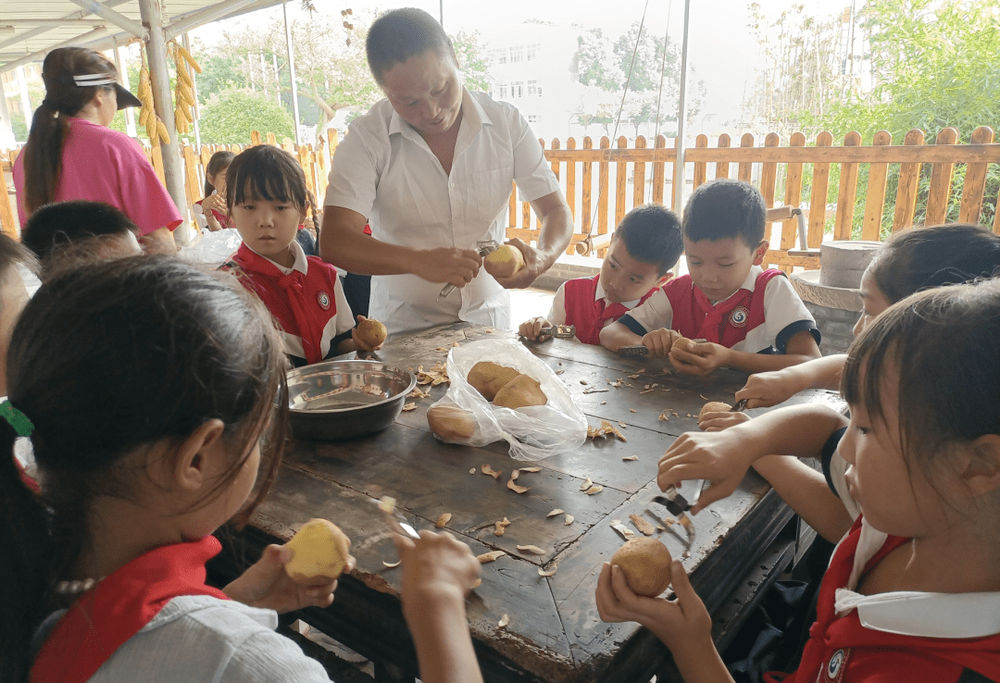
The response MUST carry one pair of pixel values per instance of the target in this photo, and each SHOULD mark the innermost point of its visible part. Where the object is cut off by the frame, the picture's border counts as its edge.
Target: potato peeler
(633, 351)
(387, 504)
(673, 500)
(485, 248)
(557, 331)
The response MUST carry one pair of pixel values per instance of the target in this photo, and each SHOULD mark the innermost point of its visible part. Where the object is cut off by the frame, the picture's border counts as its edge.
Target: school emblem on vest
(324, 300)
(739, 316)
(835, 664)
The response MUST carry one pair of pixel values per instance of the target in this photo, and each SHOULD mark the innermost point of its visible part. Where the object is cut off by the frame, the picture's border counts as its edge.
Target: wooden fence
(602, 183)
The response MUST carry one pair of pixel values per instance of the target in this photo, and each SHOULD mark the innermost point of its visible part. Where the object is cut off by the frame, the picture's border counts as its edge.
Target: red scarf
(118, 607)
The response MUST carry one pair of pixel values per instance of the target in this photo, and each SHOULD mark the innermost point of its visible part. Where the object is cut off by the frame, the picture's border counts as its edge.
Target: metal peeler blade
(557, 331)
(485, 248)
(739, 406)
(387, 504)
(633, 351)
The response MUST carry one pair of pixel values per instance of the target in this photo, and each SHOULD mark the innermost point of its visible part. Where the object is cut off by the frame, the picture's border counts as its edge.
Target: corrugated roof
(31, 28)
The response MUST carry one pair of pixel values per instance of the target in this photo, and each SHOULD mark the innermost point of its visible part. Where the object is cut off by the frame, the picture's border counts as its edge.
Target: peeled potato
(519, 392)
(451, 423)
(683, 344)
(714, 407)
(321, 551)
(370, 332)
(646, 563)
(487, 377)
(504, 261)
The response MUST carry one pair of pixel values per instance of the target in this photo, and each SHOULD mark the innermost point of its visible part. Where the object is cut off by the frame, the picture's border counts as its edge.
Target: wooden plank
(571, 181)
(621, 182)
(909, 179)
(745, 168)
(860, 154)
(844, 220)
(817, 201)
(793, 193)
(639, 176)
(768, 179)
(603, 188)
(586, 201)
(878, 174)
(659, 169)
(940, 187)
(782, 260)
(700, 167)
(721, 164)
(974, 186)
(554, 162)
(678, 178)
(9, 222)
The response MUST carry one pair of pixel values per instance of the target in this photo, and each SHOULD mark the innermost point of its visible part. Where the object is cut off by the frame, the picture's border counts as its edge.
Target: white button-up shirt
(385, 171)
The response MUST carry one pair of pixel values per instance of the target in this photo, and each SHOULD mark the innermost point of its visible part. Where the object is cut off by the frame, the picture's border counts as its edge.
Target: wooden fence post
(700, 167)
(817, 200)
(722, 167)
(639, 176)
(768, 180)
(621, 178)
(586, 198)
(744, 171)
(940, 188)
(659, 166)
(571, 183)
(793, 192)
(906, 192)
(878, 175)
(603, 186)
(975, 180)
(848, 191)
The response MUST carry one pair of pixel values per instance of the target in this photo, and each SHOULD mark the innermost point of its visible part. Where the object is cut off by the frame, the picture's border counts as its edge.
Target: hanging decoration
(184, 88)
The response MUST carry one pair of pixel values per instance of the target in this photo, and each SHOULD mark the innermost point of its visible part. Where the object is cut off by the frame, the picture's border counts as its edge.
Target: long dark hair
(89, 351)
(268, 172)
(63, 98)
(216, 163)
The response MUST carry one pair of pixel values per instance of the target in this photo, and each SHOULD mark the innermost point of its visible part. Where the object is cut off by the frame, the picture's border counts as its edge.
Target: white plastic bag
(533, 432)
(212, 248)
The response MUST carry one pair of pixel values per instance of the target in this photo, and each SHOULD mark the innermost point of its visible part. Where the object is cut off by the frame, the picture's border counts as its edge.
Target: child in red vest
(645, 245)
(267, 198)
(743, 317)
(144, 449)
(912, 592)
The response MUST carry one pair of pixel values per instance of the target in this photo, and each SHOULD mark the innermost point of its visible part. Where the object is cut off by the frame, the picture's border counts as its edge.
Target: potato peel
(630, 458)
(407, 407)
(533, 549)
(489, 471)
(516, 488)
(491, 556)
(596, 488)
(391, 565)
(504, 620)
(554, 512)
(587, 483)
(642, 525)
(500, 527)
(549, 572)
(443, 520)
(568, 520)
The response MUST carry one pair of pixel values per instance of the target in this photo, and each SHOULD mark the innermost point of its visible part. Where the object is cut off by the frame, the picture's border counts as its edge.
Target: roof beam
(204, 16)
(40, 54)
(16, 23)
(116, 18)
(80, 14)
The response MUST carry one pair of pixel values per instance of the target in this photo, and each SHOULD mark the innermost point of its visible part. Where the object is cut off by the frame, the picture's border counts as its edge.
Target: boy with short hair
(742, 316)
(645, 245)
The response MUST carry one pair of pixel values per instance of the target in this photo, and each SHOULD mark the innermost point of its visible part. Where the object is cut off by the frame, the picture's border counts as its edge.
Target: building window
(502, 56)
(517, 54)
(532, 118)
(533, 88)
(532, 52)
(517, 89)
(502, 91)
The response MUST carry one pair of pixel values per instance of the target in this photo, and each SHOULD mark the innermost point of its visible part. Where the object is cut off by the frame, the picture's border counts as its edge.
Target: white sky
(722, 52)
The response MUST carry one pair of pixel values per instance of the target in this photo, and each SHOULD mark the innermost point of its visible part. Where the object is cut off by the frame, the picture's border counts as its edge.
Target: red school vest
(588, 314)
(118, 607)
(841, 649)
(727, 322)
(302, 304)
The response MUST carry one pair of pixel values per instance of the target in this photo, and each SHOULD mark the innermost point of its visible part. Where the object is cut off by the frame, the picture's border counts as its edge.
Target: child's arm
(683, 625)
(707, 356)
(770, 388)
(806, 491)
(438, 571)
(724, 457)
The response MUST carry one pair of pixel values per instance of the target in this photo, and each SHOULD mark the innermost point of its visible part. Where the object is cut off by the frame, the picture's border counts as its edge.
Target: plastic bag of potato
(533, 432)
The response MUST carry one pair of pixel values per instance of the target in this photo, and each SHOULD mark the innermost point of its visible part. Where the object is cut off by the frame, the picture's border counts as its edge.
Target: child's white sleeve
(652, 314)
(557, 314)
(785, 315)
(199, 216)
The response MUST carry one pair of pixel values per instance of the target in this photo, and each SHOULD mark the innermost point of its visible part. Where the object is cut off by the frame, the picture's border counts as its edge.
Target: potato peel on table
(443, 520)
(642, 525)
(491, 556)
(554, 512)
(500, 527)
(533, 549)
(489, 471)
(516, 488)
(551, 571)
(504, 620)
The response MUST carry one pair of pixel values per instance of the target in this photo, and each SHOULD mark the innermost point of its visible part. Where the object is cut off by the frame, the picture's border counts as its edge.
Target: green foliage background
(230, 116)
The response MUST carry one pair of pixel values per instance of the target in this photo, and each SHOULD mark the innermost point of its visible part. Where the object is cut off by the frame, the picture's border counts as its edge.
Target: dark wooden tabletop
(554, 632)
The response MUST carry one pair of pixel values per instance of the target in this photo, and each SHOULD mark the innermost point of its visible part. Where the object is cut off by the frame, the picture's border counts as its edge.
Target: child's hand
(532, 329)
(436, 568)
(765, 389)
(719, 457)
(660, 341)
(704, 358)
(680, 624)
(716, 422)
(267, 585)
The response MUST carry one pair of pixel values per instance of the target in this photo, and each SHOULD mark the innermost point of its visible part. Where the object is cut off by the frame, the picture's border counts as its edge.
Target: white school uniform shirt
(385, 171)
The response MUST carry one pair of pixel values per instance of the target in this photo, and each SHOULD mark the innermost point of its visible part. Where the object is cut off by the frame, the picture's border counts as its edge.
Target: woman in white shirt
(430, 167)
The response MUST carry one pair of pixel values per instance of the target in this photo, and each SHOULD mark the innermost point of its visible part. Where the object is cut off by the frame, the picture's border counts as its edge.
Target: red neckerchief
(119, 607)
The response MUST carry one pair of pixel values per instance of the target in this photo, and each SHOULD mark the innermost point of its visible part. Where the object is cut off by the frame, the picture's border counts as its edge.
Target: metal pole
(441, 12)
(291, 71)
(156, 53)
(197, 107)
(681, 114)
(123, 75)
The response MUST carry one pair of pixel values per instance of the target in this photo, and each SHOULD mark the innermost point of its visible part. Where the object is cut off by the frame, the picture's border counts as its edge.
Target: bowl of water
(344, 399)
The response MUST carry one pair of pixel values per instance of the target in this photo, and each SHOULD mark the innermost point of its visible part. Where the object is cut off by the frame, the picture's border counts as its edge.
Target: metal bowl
(344, 399)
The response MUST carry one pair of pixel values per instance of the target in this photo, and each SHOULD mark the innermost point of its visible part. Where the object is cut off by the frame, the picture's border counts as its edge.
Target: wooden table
(554, 632)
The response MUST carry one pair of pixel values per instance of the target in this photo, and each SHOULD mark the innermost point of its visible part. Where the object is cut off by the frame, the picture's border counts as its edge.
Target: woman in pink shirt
(72, 154)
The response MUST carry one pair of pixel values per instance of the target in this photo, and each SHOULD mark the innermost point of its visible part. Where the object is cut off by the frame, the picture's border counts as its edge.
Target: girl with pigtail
(104, 574)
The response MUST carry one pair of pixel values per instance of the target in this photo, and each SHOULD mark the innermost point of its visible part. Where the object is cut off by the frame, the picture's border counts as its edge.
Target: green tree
(229, 117)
